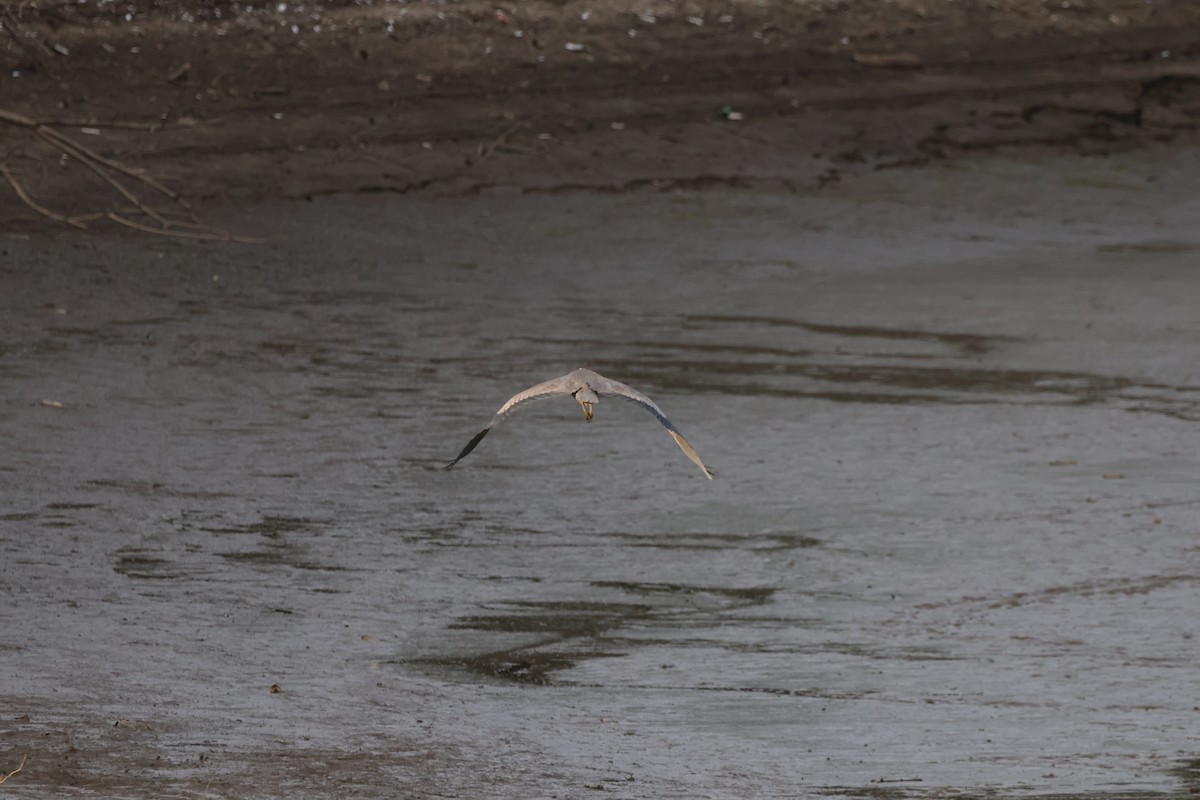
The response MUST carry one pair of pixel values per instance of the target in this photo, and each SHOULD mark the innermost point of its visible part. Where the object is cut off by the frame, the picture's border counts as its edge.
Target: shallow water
(951, 547)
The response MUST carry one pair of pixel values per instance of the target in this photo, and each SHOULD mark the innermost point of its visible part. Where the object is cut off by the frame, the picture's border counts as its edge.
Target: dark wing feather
(470, 446)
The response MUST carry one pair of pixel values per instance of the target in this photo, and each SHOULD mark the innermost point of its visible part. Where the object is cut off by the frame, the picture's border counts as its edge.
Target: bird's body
(587, 387)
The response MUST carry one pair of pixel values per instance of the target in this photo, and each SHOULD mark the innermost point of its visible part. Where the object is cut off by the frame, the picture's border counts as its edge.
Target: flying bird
(587, 388)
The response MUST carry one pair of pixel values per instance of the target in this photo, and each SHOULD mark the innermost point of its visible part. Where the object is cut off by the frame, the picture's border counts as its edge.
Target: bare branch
(209, 234)
(118, 177)
(15, 771)
(29, 201)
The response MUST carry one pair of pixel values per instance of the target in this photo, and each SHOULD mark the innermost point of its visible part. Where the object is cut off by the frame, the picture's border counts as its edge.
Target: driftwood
(175, 218)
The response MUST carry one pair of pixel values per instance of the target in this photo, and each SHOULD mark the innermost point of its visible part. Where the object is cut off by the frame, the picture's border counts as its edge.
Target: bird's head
(586, 399)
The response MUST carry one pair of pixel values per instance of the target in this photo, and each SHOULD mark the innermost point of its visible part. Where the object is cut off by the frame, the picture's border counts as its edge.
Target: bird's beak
(587, 411)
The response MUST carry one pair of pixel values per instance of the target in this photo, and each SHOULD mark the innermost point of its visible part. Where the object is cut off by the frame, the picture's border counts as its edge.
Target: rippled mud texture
(951, 548)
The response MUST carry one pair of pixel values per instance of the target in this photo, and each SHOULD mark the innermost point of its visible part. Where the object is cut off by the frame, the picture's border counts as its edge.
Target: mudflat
(924, 299)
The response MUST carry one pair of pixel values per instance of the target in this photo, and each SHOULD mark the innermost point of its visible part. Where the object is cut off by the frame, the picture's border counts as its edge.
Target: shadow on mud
(1187, 771)
(906, 367)
(569, 632)
(720, 541)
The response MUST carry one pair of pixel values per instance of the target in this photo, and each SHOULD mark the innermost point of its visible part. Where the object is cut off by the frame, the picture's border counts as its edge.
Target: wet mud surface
(950, 551)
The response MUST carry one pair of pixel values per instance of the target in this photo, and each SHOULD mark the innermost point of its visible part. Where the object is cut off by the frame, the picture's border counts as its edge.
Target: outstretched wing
(548, 388)
(625, 392)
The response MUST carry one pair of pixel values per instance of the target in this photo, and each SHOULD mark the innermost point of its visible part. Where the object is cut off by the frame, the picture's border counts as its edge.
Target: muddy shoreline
(399, 98)
(927, 309)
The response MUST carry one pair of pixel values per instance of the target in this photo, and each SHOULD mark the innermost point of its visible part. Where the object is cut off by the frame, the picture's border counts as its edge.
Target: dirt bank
(457, 97)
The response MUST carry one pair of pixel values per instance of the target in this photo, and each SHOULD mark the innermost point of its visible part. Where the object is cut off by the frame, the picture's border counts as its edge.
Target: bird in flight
(587, 388)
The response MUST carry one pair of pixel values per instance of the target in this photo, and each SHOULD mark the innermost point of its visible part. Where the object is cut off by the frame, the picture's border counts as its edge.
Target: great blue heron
(587, 388)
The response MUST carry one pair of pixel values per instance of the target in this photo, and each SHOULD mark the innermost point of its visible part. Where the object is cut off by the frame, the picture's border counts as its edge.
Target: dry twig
(178, 220)
(20, 766)
(207, 234)
(32, 46)
(29, 201)
(486, 152)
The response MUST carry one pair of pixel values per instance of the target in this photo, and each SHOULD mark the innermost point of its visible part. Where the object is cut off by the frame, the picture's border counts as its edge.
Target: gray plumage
(587, 388)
